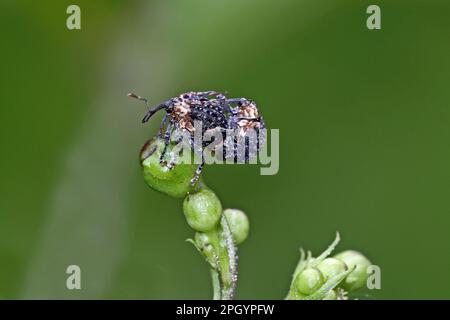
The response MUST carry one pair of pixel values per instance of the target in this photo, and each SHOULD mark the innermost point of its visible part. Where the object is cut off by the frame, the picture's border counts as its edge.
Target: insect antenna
(150, 112)
(135, 96)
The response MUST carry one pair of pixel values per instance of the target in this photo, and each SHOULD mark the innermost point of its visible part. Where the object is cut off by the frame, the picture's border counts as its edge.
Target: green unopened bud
(202, 210)
(173, 179)
(205, 244)
(202, 240)
(358, 277)
(330, 295)
(239, 224)
(331, 267)
(308, 281)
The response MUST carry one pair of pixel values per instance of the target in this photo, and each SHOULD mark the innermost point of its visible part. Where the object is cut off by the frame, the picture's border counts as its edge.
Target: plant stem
(216, 285)
(228, 261)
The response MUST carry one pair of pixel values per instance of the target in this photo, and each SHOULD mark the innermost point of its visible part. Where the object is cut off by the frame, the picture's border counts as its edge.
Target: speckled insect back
(217, 113)
(245, 118)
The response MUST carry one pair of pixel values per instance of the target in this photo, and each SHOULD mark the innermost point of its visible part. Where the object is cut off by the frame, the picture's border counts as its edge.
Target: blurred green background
(364, 121)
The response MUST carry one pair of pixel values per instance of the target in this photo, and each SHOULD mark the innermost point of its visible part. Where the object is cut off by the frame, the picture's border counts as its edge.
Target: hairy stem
(217, 294)
(227, 261)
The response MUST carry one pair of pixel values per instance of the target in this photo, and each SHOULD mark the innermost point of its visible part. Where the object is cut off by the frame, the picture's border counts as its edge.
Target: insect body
(215, 112)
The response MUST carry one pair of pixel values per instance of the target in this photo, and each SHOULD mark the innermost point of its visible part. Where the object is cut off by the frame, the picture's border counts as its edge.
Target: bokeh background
(364, 121)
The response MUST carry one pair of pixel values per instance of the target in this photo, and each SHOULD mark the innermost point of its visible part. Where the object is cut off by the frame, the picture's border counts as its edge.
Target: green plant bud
(202, 240)
(205, 244)
(175, 181)
(202, 210)
(331, 267)
(239, 224)
(330, 295)
(308, 281)
(358, 277)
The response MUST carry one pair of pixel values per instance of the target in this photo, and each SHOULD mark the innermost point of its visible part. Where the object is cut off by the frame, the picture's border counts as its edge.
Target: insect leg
(198, 172)
(199, 151)
(166, 141)
(175, 151)
(236, 100)
(207, 93)
(161, 126)
(144, 154)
